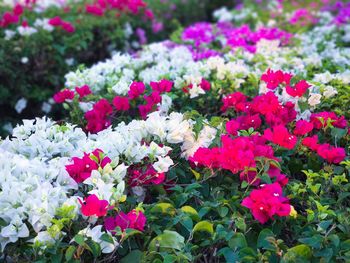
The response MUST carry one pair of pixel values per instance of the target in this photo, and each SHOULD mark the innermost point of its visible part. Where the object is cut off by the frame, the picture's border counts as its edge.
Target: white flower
(21, 104)
(24, 60)
(329, 91)
(163, 164)
(314, 99)
(9, 34)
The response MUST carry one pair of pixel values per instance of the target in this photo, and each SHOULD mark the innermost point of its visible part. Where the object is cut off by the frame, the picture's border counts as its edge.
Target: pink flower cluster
(275, 78)
(67, 94)
(134, 219)
(266, 202)
(93, 206)
(302, 17)
(203, 34)
(99, 7)
(58, 22)
(13, 17)
(248, 155)
(81, 168)
(99, 117)
(145, 176)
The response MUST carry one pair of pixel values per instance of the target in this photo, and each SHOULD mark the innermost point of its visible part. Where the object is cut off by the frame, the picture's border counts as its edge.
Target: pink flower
(68, 27)
(266, 202)
(321, 120)
(146, 177)
(92, 206)
(236, 101)
(8, 19)
(134, 219)
(149, 14)
(94, 10)
(17, 10)
(311, 142)
(303, 127)
(205, 85)
(63, 95)
(136, 89)
(232, 127)
(153, 99)
(103, 106)
(121, 103)
(299, 89)
(280, 136)
(144, 110)
(330, 153)
(83, 91)
(55, 21)
(275, 78)
(162, 86)
(81, 168)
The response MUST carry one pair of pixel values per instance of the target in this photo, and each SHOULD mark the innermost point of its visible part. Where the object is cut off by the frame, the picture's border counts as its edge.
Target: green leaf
(163, 208)
(79, 239)
(263, 239)
(133, 256)
(314, 241)
(300, 253)
(204, 226)
(237, 241)
(70, 252)
(107, 238)
(94, 248)
(191, 212)
(196, 174)
(169, 239)
(229, 255)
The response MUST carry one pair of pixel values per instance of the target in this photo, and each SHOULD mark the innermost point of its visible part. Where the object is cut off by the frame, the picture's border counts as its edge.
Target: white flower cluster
(34, 182)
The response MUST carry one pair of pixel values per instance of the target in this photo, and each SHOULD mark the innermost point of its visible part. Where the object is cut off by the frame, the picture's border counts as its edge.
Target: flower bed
(238, 155)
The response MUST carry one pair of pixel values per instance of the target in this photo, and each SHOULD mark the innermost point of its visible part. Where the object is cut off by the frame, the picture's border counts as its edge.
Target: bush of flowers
(237, 155)
(42, 40)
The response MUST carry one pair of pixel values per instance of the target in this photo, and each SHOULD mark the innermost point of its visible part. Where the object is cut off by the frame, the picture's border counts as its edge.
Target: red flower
(232, 127)
(92, 206)
(8, 19)
(146, 177)
(303, 127)
(68, 27)
(162, 86)
(205, 85)
(121, 103)
(280, 136)
(236, 101)
(299, 88)
(136, 89)
(154, 98)
(97, 117)
(134, 219)
(103, 107)
(144, 110)
(17, 10)
(94, 10)
(275, 78)
(63, 95)
(311, 142)
(266, 202)
(330, 153)
(83, 91)
(81, 168)
(321, 119)
(55, 21)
